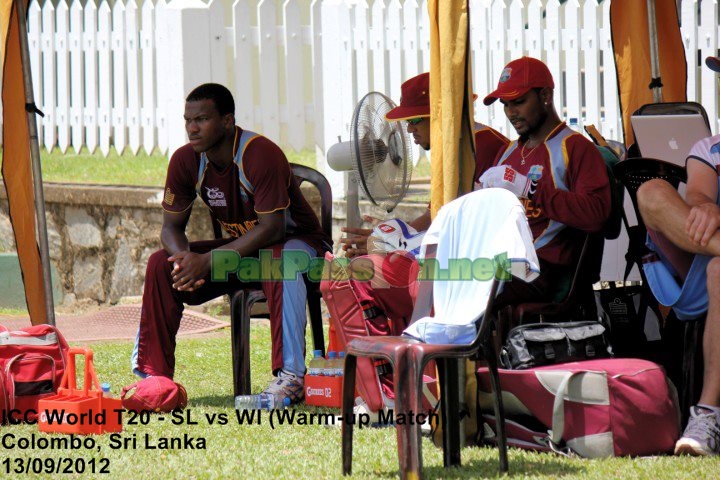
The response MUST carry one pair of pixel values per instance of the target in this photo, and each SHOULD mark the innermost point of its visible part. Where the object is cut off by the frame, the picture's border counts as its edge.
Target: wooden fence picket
(497, 60)
(294, 68)
(571, 47)
(119, 77)
(147, 49)
(47, 42)
(34, 23)
(611, 126)
(62, 73)
(161, 68)
(244, 46)
(77, 84)
(132, 77)
(377, 46)
(360, 45)
(218, 42)
(479, 44)
(424, 37)
(593, 72)
(411, 52)
(317, 79)
(269, 71)
(104, 78)
(393, 39)
(90, 76)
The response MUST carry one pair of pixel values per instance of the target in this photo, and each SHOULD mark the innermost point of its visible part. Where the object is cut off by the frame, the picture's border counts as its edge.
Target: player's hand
(508, 178)
(702, 223)
(189, 270)
(355, 243)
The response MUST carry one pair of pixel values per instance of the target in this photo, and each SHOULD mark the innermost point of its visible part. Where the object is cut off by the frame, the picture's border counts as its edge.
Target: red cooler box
(323, 391)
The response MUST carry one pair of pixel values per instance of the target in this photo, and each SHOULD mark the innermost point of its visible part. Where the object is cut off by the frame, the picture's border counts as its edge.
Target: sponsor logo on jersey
(216, 198)
(169, 197)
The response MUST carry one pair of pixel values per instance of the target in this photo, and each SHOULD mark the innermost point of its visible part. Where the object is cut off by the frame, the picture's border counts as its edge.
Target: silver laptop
(668, 137)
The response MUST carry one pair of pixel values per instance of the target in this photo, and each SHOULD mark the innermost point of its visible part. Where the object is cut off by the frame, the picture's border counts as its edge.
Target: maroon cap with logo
(519, 77)
(414, 99)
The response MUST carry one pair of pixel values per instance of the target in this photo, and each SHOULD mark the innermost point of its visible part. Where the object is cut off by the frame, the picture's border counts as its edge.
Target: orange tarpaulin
(451, 136)
(16, 166)
(633, 59)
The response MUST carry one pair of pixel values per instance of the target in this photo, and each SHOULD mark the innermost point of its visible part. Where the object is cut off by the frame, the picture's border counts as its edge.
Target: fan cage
(381, 150)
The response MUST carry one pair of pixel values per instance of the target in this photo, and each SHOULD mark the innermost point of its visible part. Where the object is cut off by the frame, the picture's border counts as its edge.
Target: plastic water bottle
(105, 387)
(340, 370)
(574, 125)
(262, 401)
(316, 364)
(331, 365)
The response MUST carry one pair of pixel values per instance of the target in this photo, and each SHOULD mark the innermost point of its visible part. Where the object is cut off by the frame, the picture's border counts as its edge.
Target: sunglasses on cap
(415, 121)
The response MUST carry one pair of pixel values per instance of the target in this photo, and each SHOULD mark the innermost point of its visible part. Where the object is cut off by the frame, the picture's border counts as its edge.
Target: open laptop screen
(668, 137)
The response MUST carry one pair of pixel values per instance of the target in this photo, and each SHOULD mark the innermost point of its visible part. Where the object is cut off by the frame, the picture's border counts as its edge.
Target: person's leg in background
(702, 434)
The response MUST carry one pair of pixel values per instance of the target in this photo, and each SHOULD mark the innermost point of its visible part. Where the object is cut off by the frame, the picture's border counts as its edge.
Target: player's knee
(650, 193)
(158, 264)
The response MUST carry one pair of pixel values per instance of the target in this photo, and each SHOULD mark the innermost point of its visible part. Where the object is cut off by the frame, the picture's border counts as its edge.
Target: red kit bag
(596, 408)
(32, 363)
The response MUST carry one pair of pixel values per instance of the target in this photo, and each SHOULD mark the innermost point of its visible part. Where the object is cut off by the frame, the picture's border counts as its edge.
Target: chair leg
(313, 300)
(498, 407)
(348, 402)
(692, 366)
(450, 408)
(241, 304)
(407, 374)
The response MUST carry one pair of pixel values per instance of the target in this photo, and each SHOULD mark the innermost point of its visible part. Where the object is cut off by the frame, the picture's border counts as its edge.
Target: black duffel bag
(537, 344)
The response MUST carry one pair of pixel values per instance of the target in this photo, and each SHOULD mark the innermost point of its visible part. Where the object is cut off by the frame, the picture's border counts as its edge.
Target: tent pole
(654, 56)
(35, 159)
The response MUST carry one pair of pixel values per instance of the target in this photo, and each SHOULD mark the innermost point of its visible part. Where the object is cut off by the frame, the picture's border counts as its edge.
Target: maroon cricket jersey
(234, 206)
(573, 190)
(488, 144)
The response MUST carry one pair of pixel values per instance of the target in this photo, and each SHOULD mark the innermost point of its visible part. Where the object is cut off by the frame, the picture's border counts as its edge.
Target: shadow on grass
(541, 465)
(221, 401)
(550, 466)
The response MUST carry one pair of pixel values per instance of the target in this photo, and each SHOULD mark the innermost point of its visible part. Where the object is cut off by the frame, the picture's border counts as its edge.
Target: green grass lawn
(115, 169)
(298, 451)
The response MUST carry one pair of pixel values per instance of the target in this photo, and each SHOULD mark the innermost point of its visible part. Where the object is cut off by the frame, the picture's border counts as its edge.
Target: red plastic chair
(408, 358)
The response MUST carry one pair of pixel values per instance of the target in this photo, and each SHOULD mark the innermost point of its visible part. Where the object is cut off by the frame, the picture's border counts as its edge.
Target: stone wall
(101, 237)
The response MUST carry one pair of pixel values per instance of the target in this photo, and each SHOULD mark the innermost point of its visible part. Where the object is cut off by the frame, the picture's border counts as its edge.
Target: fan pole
(352, 203)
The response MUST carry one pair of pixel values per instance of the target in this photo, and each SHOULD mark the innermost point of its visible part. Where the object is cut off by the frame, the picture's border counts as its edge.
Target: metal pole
(35, 160)
(654, 58)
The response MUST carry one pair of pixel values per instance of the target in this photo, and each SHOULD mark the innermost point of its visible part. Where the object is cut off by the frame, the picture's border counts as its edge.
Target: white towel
(481, 225)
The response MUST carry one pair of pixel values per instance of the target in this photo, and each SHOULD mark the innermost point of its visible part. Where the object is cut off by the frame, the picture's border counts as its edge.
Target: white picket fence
(117, 75)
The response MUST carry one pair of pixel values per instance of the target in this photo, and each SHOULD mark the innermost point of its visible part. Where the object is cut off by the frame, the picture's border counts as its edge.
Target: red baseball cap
(414, 99)
(155, 394)
(519, 77)
(713, 63)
